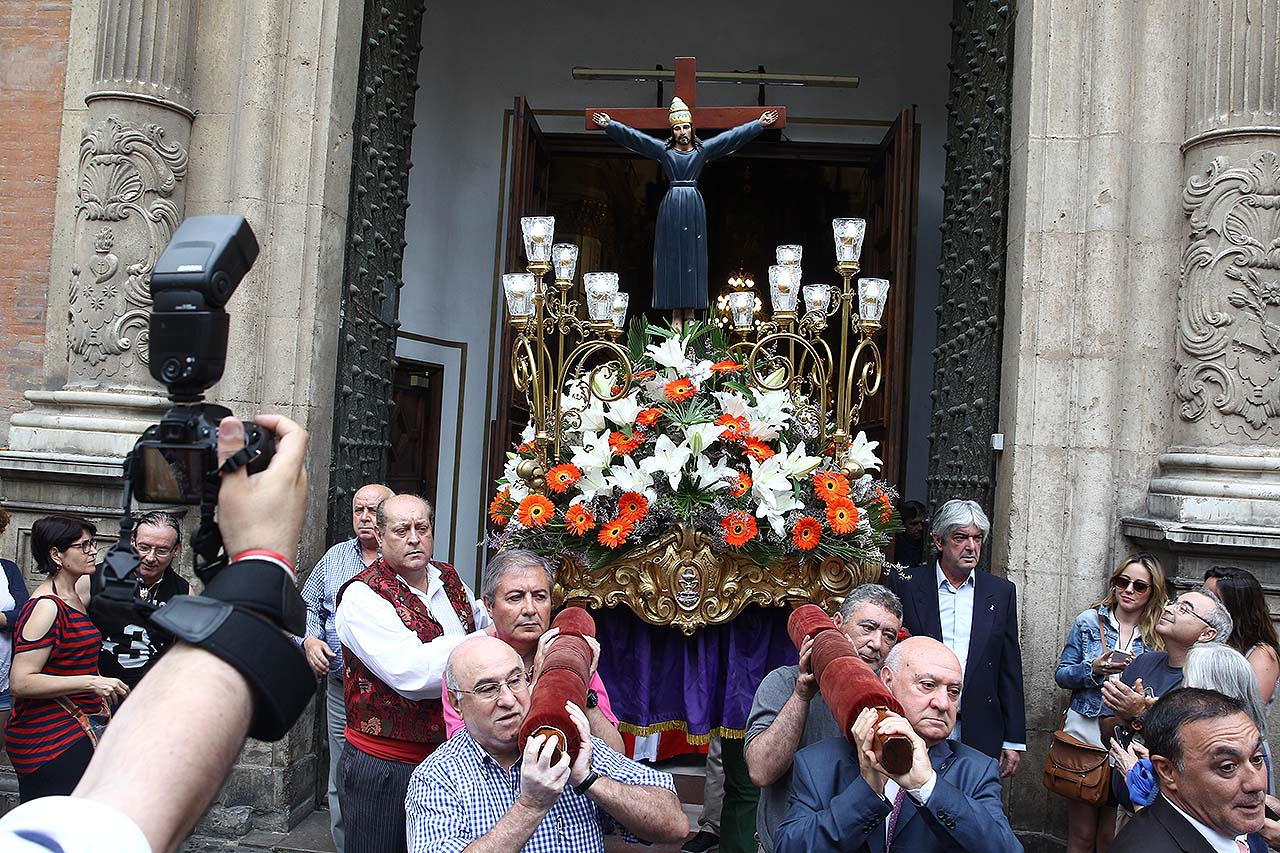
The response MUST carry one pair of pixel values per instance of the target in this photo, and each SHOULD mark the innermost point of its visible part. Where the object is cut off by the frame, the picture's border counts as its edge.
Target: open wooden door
(889, 252)
(527, 195)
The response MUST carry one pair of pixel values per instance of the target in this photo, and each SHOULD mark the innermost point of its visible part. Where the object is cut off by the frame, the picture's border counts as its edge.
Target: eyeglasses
(159, 551)
(88, 546)
(491, 690)
(1121, 582)
(1186, 608)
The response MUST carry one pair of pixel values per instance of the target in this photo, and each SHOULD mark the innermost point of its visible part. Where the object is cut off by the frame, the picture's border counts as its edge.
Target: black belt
(684, 183)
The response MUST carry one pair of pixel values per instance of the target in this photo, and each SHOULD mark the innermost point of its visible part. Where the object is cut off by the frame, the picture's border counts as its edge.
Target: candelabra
(545, 321)
(790, 353)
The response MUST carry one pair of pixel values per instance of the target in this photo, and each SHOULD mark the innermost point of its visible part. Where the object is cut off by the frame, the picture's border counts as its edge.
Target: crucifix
(680, 244)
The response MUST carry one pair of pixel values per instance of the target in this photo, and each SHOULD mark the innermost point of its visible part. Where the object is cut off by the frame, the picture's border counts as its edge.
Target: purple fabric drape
(659, 675)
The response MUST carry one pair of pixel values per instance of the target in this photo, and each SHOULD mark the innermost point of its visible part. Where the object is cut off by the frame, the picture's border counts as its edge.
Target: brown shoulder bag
(1077, 770)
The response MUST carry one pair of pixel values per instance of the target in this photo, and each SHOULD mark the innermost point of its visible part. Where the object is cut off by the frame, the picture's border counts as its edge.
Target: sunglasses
(1121, 582)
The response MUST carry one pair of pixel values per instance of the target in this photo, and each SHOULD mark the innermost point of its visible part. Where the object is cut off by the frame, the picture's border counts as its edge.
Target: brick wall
(33, 44)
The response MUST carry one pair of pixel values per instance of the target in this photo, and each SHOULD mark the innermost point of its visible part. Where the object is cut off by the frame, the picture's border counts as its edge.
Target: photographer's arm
(148, 748)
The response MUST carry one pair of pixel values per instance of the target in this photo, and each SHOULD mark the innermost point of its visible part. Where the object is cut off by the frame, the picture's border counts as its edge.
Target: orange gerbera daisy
(500, 507)
(579, 519)
(806, 533)
(830, 485)
(842, 515)
(735, 427)
(739, 528)
(561, 477)
(615, 532)
(648, 417)
(623, 446)
(726, 366)
(633, 506)
(757, 449)
(535, 511)
(884, 505)
(645, 374)
(743, 485)
(679, 390)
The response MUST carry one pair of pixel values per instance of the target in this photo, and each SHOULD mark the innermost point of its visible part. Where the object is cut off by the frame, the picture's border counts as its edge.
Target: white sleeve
(70, 825)
(368, 625)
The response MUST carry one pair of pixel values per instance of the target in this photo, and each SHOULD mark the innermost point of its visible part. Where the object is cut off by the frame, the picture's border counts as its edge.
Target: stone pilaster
(1216, 495)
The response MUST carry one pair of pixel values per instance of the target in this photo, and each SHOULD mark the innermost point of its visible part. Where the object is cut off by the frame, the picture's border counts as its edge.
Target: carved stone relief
(1229, 323)
(125, 215)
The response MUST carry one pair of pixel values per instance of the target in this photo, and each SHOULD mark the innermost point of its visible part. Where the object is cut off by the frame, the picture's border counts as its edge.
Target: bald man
(339, 564)
(479, 792)
(843, 799)
(398, 621)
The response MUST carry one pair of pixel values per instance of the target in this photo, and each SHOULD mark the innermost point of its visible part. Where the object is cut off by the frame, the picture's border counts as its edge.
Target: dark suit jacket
(991, 705)
(1160, 829)
(833, 809)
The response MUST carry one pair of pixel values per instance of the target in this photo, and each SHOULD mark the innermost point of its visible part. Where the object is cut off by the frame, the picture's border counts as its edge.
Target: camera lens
(170, 370)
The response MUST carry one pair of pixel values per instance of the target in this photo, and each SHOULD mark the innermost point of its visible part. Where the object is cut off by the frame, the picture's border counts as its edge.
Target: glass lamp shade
(519, 289)
(784, 287)
(538, 231)
(872, 294)
(848, 235)
(817, 298)
(564, 260)
(601, 287)
(742, 306)
(619, 309)
(789, 255)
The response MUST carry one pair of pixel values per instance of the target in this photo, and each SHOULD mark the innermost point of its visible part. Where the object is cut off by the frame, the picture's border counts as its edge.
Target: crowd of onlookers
(426, 687)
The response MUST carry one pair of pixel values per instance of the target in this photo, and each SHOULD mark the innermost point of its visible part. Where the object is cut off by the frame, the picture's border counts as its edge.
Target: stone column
(129, 198)
(1216, 496)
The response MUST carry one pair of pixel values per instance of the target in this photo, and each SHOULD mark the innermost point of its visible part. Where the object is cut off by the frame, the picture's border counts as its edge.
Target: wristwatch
(586, 783)
(593, 699)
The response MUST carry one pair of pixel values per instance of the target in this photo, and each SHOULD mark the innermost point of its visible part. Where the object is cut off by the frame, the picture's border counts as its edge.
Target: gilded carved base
(678, 581)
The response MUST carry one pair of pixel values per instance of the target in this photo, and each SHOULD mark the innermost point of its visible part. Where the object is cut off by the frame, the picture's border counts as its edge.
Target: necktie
(1244, 847)
(893, 818)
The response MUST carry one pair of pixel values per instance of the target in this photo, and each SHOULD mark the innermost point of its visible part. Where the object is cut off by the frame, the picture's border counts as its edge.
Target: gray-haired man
(788, 713)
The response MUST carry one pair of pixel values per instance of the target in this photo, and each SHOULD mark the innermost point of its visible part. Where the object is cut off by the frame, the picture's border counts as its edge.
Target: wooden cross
(704, 118)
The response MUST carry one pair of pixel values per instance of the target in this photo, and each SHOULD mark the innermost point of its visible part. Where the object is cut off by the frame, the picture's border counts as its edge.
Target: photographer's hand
(264, 510)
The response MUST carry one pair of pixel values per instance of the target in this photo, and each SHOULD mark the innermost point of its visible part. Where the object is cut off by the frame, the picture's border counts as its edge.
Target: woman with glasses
(1253, 634)
(1126, 616)
(55, 681)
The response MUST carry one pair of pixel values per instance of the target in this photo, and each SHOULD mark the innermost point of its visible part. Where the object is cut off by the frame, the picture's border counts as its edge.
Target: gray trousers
(712, 789)
(335, 707)
(372, 792)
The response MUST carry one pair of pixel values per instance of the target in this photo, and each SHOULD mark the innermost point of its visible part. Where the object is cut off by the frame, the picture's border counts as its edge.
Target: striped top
(40, 729)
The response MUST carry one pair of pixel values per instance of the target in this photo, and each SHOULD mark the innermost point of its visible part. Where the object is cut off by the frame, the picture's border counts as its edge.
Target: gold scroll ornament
(676, 580)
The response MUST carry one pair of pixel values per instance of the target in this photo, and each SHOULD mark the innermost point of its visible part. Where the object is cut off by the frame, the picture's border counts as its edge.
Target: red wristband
(271, 557)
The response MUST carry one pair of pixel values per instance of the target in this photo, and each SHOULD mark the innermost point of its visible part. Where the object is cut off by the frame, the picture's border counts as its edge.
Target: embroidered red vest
(375, 709)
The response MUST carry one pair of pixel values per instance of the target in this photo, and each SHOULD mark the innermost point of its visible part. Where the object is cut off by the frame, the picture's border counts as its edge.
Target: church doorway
(605, 199)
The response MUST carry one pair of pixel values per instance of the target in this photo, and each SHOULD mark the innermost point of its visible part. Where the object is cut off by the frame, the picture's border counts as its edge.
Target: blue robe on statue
(680, 242)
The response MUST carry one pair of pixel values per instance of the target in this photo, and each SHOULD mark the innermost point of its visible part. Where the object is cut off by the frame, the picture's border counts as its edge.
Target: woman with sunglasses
(1127, 617)
(55, 682)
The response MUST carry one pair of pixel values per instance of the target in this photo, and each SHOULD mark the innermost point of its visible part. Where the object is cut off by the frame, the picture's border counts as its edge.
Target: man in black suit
(1207, 755)
(975, 614)
(843, 799)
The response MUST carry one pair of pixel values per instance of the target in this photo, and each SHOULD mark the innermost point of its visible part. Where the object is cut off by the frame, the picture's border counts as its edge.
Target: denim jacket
(1075, 668)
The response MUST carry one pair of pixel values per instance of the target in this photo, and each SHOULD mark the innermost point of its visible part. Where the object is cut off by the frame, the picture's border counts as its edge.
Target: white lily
(669, 353)
(623, 412)
(628, 477)
(734, 404)
(593, 482)
(701, 436)
(668, 458)
(526, 435)
(772, 413)
(591, 418)
(700, 372)
(519, 489)
(594, 454)
(712, 477)
(797, 463)
(861, 452)
(602, 382)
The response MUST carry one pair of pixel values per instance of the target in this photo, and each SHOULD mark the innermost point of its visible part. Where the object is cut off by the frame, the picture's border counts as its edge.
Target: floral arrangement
(691, 443)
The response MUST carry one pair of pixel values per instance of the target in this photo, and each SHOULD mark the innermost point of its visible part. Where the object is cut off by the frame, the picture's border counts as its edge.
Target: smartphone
(1115, 656)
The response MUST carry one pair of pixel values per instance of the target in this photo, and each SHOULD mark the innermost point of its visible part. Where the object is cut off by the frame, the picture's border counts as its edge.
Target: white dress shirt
(955, 610)
(1218, 841)
(369, 626)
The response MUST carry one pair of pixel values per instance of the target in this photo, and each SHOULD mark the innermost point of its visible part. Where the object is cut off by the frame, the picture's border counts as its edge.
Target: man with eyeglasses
(398, 620)
(479, 792)
(788, 713)
(1193, 617)
(129, 650)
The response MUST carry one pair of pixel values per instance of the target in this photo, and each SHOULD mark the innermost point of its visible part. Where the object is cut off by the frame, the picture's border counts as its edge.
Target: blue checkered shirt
(339, 564)
(460, 793)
